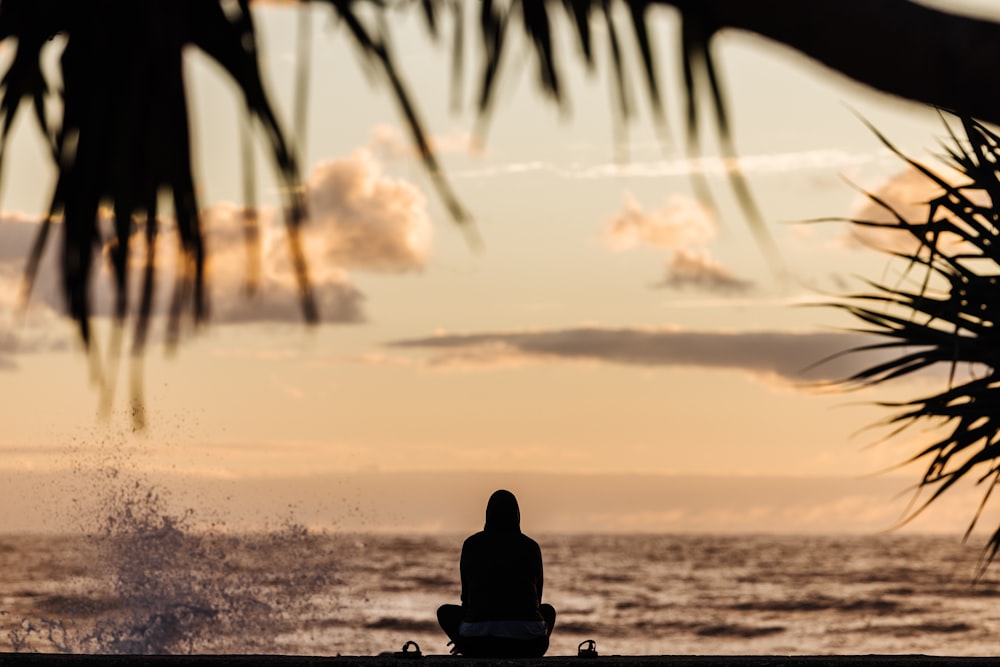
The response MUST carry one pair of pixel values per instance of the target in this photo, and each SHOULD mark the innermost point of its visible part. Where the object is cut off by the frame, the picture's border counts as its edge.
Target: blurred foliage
(120, 138)
(116, 123)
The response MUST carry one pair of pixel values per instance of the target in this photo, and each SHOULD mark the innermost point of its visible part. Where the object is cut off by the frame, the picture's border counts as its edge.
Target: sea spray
(150, 575)
(157, 570)
(164, 587)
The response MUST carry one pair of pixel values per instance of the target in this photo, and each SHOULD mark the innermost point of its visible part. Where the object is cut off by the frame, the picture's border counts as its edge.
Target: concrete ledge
(61, 660)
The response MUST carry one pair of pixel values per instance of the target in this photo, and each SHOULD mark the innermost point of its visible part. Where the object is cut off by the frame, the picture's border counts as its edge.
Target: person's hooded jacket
(501, 567)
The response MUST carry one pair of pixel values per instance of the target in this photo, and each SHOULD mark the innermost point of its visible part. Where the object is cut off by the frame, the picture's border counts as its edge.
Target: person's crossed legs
(450, 620)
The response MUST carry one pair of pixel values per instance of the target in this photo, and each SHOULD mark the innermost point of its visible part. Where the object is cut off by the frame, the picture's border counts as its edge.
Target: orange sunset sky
(617, 353)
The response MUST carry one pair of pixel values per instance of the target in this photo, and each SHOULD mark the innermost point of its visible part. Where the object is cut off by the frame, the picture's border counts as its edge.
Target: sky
(620, 354)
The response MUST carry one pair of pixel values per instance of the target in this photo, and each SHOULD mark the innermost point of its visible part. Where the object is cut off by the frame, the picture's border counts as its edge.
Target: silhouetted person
(502, 615)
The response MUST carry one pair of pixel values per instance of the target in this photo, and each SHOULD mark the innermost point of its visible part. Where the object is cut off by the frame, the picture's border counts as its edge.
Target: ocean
(147, 584)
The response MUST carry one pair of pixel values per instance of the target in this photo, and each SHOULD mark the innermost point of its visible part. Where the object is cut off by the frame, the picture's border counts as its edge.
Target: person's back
(501, 567)
(501, 614)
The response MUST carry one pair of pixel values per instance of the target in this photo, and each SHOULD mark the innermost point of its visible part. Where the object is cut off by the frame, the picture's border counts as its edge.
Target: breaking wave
(163, 586)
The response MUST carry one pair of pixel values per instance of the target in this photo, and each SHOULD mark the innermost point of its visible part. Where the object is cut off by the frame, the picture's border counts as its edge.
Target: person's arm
(541, 574)
(463, 576)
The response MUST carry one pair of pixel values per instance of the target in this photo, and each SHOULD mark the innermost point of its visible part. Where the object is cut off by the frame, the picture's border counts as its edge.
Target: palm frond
(123, 140)
(116, 62)
(580, 13)
(949, 320)
(537, 20)
(123, 137)
(375, 47)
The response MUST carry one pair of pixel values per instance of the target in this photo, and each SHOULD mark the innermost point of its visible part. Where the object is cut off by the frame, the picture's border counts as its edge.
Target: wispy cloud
(767, 163)
(788, 356)
(389, 141)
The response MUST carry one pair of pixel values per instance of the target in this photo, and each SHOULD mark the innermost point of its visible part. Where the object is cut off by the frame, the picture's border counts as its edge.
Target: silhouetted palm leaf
(537, 18)
(123, 137)
(374, 45)
(949, 319)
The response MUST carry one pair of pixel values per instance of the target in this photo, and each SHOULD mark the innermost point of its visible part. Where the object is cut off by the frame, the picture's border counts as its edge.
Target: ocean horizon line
(446, 502)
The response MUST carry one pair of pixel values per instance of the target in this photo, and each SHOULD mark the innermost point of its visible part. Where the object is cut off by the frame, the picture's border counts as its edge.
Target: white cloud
(366, 220)
(682, 223)
(361, 220)
(767, 163)
(683, 228)
(276, 298)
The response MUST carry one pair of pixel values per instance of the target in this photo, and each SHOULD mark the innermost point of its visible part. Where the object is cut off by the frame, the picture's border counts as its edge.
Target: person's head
(502, 512)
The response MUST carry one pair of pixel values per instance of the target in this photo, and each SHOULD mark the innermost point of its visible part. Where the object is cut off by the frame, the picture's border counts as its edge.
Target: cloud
(8, 347)
(276, 298)
(698, 270)
(361, 220)
(683, 222)
(788, 356)
(766, 163)
(17, 234)
(338, 302)
(683, 228)
(25, 331)
(388, 141)
(366, 220)
(30, 340)
(908, 193)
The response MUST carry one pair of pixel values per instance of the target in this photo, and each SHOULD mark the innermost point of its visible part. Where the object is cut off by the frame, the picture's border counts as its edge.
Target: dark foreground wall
(39, 659)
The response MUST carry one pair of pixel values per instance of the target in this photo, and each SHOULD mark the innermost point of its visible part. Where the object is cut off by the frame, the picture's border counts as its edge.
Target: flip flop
(407, 653)
(587, 649)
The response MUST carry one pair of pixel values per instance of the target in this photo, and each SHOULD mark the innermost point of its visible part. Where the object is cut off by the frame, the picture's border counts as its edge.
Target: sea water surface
(155, 587)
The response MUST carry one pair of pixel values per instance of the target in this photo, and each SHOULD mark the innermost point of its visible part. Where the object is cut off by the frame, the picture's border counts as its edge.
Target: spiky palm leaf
(949, 319)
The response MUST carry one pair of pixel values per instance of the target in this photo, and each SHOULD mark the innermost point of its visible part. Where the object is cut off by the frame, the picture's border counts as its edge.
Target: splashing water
(166, 587)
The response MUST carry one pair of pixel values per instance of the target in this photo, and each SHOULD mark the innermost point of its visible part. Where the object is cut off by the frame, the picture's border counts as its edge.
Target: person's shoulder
(530, 542)
(475, 537)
